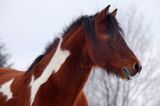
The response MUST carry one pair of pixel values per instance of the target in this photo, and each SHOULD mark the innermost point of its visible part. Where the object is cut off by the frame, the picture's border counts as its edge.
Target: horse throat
(73, 74)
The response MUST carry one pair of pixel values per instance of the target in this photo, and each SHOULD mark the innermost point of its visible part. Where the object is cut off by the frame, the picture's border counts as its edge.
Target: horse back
(7, 74)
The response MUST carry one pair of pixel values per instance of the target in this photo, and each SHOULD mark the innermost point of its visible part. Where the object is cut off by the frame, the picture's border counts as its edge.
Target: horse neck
(74, 41)
(79, 59)
(76, 69)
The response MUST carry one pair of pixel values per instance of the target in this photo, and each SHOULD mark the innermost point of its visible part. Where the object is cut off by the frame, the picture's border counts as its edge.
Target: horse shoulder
(7, 78)
(81, 100)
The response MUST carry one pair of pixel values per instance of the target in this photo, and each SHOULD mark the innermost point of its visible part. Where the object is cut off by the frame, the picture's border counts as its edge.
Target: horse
(57, 77)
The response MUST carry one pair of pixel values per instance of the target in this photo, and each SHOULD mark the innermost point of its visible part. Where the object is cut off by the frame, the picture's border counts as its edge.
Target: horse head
(106, 45)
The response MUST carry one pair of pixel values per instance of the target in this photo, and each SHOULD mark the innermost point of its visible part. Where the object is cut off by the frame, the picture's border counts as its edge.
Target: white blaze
(6, 89)
(55, 63)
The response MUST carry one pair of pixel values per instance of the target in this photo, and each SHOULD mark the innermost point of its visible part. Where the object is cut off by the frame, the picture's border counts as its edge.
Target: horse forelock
(112, 26)
(88, 25)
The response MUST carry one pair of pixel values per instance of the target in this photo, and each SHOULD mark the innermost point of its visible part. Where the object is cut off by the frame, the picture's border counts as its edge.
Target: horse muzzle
(135, 69)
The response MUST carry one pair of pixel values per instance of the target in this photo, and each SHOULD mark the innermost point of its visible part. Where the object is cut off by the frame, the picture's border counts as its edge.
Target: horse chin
(126, 73)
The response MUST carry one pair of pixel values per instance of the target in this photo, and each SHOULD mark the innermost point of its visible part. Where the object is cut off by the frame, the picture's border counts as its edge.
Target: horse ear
(114, 13)
(104, 12)
(102, 15)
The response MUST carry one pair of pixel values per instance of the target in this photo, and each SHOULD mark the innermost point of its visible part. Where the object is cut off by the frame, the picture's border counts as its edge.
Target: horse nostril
(137, 67)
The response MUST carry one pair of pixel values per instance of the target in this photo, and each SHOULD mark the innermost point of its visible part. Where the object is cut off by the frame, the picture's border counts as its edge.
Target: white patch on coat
(54, 65)
(6, 89)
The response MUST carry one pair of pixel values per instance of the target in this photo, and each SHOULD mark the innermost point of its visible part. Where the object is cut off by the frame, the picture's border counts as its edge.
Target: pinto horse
(57, 77)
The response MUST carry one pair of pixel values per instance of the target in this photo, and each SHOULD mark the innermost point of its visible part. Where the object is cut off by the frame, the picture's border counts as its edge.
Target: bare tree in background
(143, 90)
(4, 57)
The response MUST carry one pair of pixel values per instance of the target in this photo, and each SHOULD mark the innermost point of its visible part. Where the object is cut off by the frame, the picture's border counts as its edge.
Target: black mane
(66, 30)
(75, 23)
(54, 44)
(36, 61)
(112, 27)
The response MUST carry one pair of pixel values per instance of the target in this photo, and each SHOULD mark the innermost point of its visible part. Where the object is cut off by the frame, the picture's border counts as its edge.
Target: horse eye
(103, 37)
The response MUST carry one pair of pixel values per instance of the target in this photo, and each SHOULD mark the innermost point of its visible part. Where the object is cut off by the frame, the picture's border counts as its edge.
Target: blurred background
(26, 27)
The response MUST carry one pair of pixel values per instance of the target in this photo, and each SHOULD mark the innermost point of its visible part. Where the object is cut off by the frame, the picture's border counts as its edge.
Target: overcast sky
(26, 26)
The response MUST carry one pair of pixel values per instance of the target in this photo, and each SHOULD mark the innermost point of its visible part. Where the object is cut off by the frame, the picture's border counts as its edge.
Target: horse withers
(57, 77)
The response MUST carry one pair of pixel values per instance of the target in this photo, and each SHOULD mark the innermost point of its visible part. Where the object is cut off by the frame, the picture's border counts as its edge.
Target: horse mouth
(126, 73)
